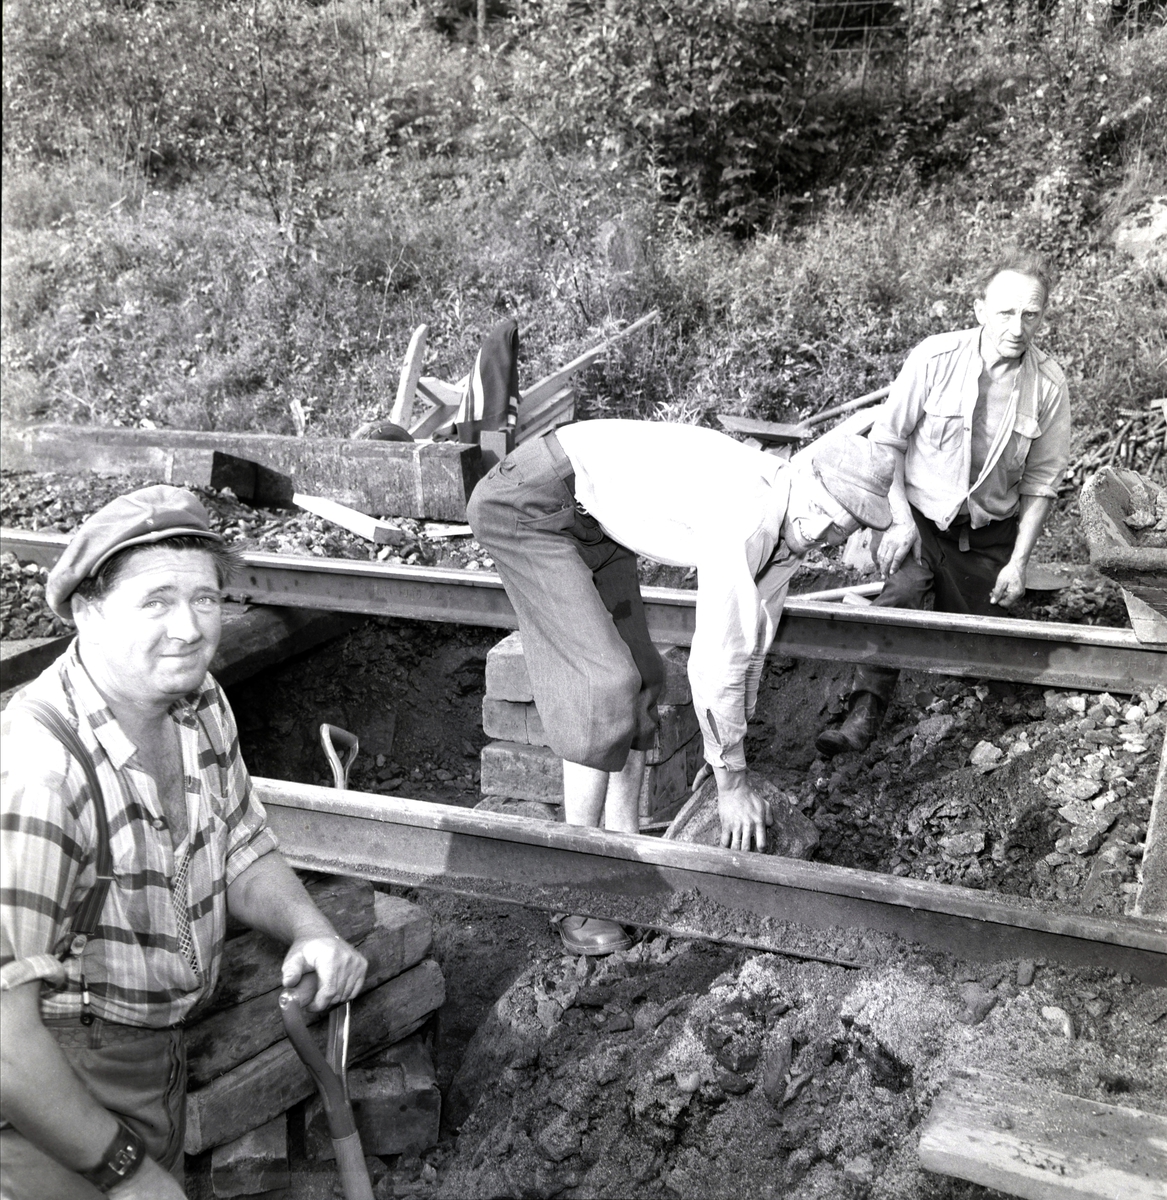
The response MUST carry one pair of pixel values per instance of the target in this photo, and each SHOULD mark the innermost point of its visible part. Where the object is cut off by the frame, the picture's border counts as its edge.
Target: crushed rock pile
(1000, 787)
(686, 1069)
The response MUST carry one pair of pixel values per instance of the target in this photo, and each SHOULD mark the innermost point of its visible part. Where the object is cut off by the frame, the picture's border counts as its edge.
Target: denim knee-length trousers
(594, 671)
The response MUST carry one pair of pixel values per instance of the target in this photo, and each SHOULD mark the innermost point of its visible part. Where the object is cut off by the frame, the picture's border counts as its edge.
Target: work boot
(593, 936)
(856, 732)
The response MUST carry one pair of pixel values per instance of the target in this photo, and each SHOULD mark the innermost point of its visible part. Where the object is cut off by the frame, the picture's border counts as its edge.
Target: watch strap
(123, 1156)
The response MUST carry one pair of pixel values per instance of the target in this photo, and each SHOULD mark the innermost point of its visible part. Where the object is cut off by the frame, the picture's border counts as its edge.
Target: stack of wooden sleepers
(519, 767)
(245, 1076)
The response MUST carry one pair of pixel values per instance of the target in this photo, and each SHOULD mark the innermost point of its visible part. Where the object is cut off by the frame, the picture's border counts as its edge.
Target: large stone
(512, 721)
(507, 678)
(522, 772)
(396, 1104)
(791, 834)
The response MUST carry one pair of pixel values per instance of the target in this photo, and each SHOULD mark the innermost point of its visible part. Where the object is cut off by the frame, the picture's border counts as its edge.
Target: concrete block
(522, 772)
(507, 678)
(510, 721)
(535, 810)
(506, 672)
(396, 1104)
(254, 1163)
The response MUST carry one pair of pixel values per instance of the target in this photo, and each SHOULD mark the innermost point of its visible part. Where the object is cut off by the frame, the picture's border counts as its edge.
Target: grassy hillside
(175, 253)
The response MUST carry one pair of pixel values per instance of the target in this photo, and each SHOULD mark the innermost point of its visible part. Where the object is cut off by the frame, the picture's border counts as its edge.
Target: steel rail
(1046, 653)
(689, 890)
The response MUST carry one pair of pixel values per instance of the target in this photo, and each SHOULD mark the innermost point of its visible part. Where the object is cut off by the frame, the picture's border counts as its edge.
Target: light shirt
(928, 416)
(161, 895)
(693, 497)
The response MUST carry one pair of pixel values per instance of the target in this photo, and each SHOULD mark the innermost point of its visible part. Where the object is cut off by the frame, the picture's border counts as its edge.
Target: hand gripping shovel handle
(329, 1077)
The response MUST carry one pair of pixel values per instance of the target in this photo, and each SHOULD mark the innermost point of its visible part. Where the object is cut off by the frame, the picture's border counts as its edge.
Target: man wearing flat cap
(130, 835)
(564, 517)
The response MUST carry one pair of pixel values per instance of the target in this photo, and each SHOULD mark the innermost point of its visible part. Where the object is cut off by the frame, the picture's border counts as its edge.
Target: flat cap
(858, 473)
(139, 518)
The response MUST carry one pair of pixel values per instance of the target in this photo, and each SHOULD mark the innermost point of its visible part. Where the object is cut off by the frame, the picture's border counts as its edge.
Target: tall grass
(133, 299)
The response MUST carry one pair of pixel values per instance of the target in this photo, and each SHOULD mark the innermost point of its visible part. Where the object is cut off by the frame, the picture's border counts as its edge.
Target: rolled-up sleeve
(1049, 454)
(41, 854)
(734, 628)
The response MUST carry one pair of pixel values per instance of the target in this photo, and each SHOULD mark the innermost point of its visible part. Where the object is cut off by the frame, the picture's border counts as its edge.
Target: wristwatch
(123, 1156)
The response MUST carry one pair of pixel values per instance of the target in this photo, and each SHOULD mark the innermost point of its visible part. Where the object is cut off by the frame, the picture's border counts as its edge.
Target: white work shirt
(928, 416)
(692, 497)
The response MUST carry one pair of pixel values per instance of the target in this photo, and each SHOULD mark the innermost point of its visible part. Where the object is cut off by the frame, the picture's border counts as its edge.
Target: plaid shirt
(134, 964)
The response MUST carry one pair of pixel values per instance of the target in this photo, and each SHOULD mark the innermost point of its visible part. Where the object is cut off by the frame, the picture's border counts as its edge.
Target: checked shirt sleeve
(42, 850)
(250, 837)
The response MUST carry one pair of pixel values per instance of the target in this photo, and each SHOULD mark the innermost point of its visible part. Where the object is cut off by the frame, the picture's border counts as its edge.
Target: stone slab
(511, 721)
(507, 678)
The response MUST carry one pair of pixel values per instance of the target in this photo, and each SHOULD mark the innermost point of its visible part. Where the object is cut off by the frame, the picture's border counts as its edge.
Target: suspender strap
(85, 922)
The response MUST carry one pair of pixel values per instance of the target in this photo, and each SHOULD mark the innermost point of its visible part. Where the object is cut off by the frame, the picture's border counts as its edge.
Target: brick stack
(244, 1075)
(519, 767)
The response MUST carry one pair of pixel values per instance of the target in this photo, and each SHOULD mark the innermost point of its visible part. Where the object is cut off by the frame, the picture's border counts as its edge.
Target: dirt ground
(690, 1069)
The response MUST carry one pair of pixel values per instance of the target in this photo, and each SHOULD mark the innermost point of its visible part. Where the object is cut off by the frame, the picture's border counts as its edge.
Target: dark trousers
(138, 1074)
(958, 568)
(595, 673)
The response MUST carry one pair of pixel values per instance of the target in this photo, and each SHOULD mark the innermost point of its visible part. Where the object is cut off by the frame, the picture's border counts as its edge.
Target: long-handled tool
(330, 737)
(328, 1070)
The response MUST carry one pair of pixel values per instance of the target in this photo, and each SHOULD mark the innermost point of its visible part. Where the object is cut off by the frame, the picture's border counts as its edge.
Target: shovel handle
(332, 736)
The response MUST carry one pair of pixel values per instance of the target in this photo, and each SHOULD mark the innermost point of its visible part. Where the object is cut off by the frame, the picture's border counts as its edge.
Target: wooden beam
(839, 409)
(225, 1039)
(555, 411)
(1044, 1145)
(550, 384)
(356, 522)
(402, 479)
(1152, 897)
(402, 410)
(767, 432)
(275, 1079)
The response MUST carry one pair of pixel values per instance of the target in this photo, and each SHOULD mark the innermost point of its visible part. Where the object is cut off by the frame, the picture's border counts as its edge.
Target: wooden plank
(404, 479)
(438, 391)
(402, 410)
(269, 1084)
(254, 636)
(550, 384)
(225, 1039)
(1152, 897)
(22, 659)
(839, 409)
(765, 431)
(438, 418)
(559, 410)
(1044, 1145)
(359, 523)
(256, 1162)
(251, 961)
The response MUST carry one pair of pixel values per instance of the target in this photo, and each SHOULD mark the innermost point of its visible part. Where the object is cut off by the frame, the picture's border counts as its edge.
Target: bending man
(564, 517)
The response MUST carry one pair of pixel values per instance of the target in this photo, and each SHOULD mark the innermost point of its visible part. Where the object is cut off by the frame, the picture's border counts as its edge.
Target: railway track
(1037, 652)
(762, 902)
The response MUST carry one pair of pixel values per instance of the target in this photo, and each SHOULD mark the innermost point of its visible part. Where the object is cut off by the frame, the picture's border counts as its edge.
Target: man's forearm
(1031, 521)
(897, 496)
(43, 1098)
(267, 896)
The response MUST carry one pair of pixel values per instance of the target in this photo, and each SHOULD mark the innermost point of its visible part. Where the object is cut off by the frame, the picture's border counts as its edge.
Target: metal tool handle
(330, 737)
(328, 1079)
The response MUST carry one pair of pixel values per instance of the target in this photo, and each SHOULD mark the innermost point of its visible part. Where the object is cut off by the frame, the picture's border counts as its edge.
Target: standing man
(979, 423)
(91, 1026)
(564, 517)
